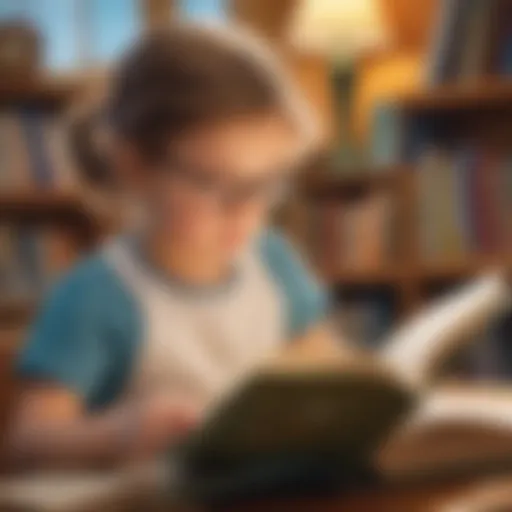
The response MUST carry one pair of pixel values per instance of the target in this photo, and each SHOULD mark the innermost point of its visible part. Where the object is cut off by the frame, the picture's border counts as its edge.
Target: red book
(487, 206)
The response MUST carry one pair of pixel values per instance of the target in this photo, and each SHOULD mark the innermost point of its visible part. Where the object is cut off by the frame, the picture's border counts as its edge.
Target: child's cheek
(190, 222)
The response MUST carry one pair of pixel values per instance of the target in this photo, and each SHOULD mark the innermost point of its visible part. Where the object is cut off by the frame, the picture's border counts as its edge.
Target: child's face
(219, 183)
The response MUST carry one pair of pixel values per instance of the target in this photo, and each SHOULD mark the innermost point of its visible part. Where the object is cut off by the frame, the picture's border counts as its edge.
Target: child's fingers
(161, 422)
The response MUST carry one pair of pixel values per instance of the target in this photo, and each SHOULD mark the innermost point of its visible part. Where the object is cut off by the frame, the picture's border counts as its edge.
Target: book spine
(467, 169)
(501, 29)
(4, 152)
(426, 227)
(386, 135)
(40, 164)
(441, 41)
(17, 169)
(62, 161)
(475, 51)
(507, 200)
(505, 67)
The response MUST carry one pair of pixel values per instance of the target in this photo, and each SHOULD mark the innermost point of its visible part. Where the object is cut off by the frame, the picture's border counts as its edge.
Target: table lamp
(341, 30)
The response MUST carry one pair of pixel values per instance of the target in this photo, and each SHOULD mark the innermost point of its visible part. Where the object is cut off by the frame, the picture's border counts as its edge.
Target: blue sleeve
(85, 335)
(306, 301)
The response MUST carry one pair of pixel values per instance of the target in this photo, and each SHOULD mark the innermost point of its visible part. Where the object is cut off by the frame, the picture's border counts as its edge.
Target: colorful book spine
(475, 50)
(32, 123)
(16, 173)
(62, 164)
(442, 41)
(464, 203)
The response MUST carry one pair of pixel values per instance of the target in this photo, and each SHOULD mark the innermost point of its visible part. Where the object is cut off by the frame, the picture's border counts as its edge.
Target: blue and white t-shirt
(116, 327)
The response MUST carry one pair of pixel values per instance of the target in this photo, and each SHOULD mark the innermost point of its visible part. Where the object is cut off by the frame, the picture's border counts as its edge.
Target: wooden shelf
(39, 91)
(332, 183)
(425, 273)
(492, 94)
(369, 277)
(470, 266)
(41, 204)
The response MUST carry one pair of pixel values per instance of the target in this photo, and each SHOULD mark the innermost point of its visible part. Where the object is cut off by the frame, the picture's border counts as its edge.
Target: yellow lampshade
(338, 28)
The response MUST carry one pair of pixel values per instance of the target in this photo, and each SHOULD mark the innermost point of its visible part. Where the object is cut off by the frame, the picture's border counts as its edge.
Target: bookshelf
(34, 207)
(407, 275)
(478, 115)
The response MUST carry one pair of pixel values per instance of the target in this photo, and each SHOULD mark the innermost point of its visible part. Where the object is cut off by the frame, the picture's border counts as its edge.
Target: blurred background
(410, 193)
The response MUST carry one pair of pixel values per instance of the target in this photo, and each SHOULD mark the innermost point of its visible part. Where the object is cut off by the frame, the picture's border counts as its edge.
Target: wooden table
(432, 497)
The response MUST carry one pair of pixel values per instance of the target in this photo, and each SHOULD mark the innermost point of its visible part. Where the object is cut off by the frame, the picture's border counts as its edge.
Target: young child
(132, 344)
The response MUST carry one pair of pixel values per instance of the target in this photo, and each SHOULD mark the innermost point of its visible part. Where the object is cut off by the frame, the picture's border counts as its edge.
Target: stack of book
(31, 258)
(472, 39)
(465, 203)
(34, 151)
(354, 236)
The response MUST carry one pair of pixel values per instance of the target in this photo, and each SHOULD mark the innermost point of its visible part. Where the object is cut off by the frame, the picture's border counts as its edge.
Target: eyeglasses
(226, 192)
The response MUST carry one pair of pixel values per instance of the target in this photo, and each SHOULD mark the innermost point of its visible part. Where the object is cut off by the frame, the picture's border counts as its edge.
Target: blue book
(386, 135)
(32, 126)
(505, 66)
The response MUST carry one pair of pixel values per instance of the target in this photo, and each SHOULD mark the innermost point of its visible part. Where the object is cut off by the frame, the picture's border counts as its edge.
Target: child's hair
(181, 78)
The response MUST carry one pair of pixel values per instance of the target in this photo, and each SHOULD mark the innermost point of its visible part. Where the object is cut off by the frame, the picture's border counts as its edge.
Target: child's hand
(157, 423)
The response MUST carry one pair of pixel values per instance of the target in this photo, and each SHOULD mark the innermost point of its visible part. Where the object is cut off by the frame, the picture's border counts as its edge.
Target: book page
(474, 405)
(418, 347)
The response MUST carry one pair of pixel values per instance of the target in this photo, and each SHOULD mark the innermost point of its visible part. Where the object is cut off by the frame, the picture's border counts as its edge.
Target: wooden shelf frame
(38, 91)
(459, 97)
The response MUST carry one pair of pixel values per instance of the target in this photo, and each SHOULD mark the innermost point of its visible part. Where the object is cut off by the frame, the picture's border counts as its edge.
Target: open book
(354, 413)
(456, 430)
(339, 410)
